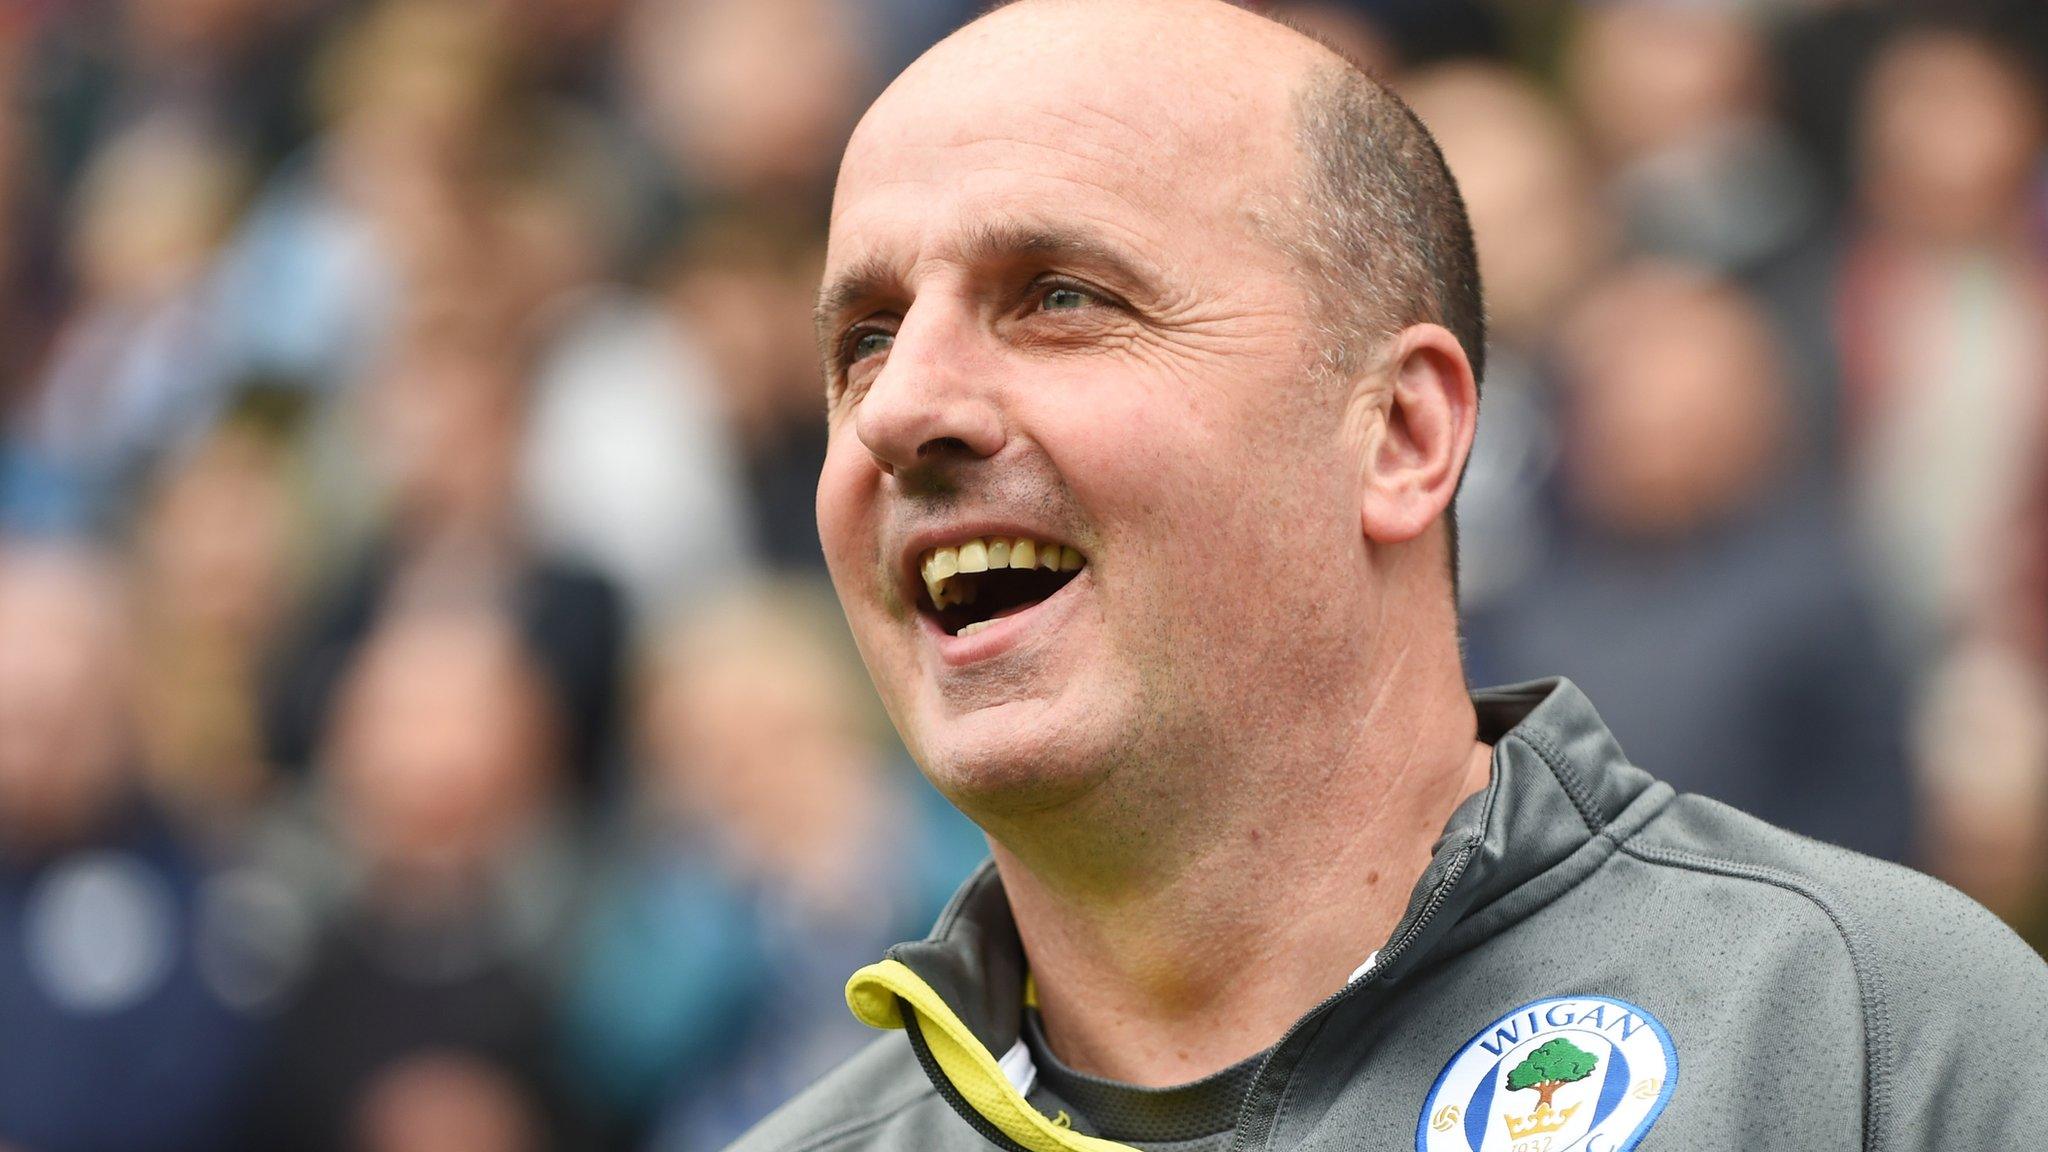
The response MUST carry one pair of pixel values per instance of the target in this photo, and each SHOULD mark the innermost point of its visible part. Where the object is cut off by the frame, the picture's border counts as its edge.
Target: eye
(1065, 298)
(868, 343)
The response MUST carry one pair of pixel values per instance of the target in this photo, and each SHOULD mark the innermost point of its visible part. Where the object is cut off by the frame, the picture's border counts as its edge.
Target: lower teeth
(971, 629)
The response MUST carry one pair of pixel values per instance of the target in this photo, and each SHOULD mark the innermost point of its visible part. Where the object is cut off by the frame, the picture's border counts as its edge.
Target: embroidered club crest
(1563, 1074)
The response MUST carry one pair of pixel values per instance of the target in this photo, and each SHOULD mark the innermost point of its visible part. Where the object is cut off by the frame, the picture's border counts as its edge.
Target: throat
(1181, 962)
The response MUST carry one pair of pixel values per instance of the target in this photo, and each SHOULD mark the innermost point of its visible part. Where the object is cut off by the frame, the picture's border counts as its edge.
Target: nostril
(943, 444)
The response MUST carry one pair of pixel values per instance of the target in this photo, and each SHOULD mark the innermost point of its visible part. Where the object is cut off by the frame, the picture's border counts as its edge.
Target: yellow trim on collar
(877, 993)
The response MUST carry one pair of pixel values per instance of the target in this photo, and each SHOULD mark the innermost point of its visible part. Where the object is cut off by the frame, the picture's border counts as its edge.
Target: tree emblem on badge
(1557, 1063)
(1596, 1071)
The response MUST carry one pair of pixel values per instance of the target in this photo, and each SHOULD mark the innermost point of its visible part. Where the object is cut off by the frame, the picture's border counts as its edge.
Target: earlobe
(1429, 406)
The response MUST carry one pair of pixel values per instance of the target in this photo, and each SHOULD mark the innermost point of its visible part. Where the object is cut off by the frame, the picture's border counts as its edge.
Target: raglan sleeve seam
(1877, 1023)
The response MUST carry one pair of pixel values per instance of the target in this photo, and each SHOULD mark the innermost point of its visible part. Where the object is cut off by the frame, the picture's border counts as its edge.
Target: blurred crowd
(422, 721)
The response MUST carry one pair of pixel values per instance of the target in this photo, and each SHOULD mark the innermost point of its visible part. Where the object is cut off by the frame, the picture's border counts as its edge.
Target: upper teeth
(941, 565)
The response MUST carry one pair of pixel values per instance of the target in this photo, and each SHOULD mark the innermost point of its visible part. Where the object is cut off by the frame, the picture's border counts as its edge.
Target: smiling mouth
(973, 584)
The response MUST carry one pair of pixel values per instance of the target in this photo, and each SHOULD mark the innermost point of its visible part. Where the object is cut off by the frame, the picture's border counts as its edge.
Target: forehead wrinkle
(995, 241)
(991, 240)
(1011, 217)
(948, 164)
(1096, 116)
(1085, 130)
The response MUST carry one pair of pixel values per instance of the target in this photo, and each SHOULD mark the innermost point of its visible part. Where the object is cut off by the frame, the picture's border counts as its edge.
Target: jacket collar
(1560, 781)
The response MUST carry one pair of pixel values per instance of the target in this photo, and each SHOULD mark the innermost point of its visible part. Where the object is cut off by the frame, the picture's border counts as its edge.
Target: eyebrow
(868, 279)
(988, 242)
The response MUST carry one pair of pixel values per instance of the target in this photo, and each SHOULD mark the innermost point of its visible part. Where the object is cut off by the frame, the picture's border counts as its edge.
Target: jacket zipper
(1253, 1129)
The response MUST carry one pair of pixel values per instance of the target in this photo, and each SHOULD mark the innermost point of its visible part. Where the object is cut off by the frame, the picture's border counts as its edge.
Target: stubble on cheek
(894, 604)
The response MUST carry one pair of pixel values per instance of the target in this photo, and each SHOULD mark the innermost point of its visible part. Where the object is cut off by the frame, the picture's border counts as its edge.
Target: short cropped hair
(1381, 232)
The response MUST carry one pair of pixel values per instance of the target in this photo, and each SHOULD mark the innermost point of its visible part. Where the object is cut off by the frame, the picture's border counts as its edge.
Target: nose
(932, 400)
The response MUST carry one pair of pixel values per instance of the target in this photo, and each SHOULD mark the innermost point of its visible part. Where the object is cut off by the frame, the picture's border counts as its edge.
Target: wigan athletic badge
(1563, 1074)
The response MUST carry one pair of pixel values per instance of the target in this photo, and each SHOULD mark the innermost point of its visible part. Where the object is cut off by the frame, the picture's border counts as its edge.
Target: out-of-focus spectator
(445, 424)
(1527, 183)
(630, 462)
(1390, 34)
(1820, 54)
(775, 839)
(447, 1100)
(415, 95)
(1983, 733)
(1938, 314)
(742, 286)
(29, 259)
(142, 364)
(97, 69)
(444, 882)
(1676, 100)
(1983, 753)
(1702, 592)
(631, 465)
(1528, 192)
(1352, 29)
(216, 549)
(484, 190)
(116, 1039)
(565, 46)
(750, 101)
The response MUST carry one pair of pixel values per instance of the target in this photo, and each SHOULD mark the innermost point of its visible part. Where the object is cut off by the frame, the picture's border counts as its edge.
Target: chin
(1010, 759)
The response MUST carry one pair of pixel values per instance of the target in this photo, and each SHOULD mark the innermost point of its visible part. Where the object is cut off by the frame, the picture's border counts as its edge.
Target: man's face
(1050, 315)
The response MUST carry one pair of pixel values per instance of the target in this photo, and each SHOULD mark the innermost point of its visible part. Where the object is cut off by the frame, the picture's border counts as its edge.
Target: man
(115, 972)
(1151, 338)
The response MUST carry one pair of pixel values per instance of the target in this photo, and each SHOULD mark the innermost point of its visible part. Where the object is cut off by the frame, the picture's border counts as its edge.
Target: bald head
(1205, 68)
(1318, 157)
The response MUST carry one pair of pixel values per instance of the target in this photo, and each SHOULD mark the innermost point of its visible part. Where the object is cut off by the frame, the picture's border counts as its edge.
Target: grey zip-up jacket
(1589, 962)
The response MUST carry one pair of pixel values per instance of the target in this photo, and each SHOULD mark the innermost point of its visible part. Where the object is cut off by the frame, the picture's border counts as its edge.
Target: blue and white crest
(1561, 1074)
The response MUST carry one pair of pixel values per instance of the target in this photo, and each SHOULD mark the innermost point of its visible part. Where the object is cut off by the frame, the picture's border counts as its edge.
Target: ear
(1426, 407)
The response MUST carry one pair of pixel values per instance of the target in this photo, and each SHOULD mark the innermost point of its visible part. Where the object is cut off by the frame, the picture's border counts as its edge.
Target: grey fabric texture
(1817, 1000)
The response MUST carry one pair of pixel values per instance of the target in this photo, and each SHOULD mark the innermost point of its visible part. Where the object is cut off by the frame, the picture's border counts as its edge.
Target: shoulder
(1900, 922)
(1952, 1004)
(880, 1098)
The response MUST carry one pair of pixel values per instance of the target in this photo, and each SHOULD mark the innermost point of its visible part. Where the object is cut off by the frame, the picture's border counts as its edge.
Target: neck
(1187, 959)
